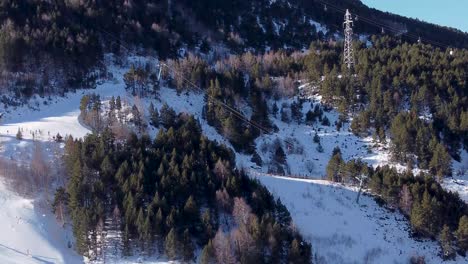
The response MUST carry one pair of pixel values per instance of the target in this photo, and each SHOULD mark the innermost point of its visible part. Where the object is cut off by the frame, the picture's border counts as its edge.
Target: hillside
(230, 132)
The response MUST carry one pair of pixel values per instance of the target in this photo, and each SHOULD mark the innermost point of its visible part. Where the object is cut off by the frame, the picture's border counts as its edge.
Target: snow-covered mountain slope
(340, 230)
(29, 232)
(25, 227)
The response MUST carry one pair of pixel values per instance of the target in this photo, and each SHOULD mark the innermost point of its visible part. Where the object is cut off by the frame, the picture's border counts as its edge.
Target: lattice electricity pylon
(348, 44)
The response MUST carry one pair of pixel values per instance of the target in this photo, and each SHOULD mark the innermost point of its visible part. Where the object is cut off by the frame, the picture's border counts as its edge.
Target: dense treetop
(177, 193)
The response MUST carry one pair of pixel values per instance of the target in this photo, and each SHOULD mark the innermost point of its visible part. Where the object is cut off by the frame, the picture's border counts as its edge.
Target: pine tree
(159, 223)
(280, 156)
(126, 251)
(462, 234)
(296, 112)
(147, 234)
(140, 222)
(310, 118)
(316, 138)
(137, 120)
(334, 167)
(256, 159)
(167, 116)
(401, 139)
(107, 167)
(84, 104)
(294, 255)
(171, 218)
(19, 135)
(112, 104)
(231, 131)
(446, 243)
(325, 121)
(441, 162)
(58, 138)
(423, 218)
(80, 230)
(464, 121)
(191, 210)
(154, 115)
(283, 216)
(187, 246)
(208, 225)
(171, 246)
(208, 254)
(118, 103)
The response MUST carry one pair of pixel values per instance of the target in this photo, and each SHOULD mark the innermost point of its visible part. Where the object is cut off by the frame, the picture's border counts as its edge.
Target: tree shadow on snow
(41, 259)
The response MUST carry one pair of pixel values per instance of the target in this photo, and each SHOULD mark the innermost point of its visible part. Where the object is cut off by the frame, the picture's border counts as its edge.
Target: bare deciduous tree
(223, 248)
(220, 169)
(241, 211)
(39, 167)
(406, 201)
(223, 200)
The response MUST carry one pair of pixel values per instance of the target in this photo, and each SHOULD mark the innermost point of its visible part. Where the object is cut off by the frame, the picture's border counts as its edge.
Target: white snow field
(29, 232)
(339, 230)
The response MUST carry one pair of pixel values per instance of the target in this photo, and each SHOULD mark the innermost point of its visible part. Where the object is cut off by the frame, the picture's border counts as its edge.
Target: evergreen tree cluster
(40, 38)
(392, 78)
(175, 194)
(141, 80)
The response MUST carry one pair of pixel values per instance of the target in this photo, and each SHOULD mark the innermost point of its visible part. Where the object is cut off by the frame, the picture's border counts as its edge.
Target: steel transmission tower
(348, 45)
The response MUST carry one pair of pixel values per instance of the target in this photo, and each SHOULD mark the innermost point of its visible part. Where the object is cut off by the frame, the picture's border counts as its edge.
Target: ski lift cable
(226, 106)
(211, 98)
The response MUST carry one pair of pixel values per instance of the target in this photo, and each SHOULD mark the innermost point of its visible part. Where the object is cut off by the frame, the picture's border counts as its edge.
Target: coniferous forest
(174, 195)
(51, 47)
(411, 94)
(178, 194)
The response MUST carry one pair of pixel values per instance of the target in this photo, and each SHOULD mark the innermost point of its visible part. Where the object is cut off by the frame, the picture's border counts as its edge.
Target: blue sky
(452, 13)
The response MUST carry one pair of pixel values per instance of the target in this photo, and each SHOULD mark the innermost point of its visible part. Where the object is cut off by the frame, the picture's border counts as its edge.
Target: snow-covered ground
(459, 182)
(29, 232)
(340, 231)
(351, 146)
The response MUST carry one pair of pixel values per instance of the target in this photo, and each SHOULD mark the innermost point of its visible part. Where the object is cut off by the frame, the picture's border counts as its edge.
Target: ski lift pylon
(159, 72)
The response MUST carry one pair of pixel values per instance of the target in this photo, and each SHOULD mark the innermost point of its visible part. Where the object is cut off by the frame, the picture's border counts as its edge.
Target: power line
(226, 106)
(229, 108)
(383, 26)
